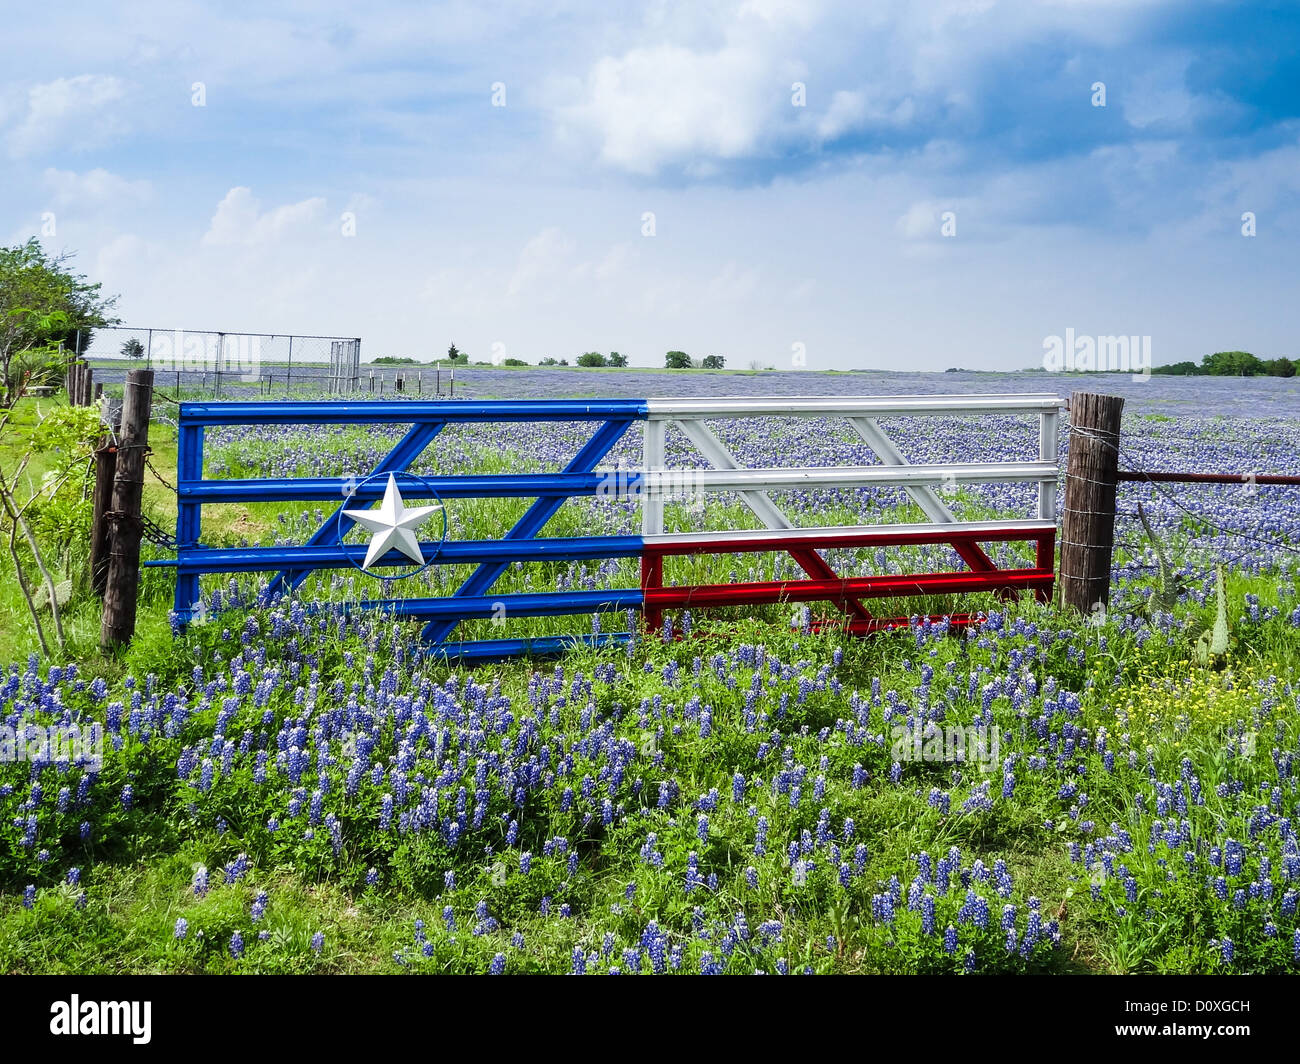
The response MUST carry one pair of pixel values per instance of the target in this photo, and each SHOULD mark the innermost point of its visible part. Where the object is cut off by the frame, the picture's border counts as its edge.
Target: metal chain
(149, 529)
(156, 534)
(158, 476)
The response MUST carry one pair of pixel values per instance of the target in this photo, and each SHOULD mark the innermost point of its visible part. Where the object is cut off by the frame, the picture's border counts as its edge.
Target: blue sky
(778, 227)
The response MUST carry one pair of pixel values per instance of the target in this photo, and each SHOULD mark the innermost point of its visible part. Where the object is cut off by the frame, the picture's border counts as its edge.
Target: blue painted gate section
(325, 549)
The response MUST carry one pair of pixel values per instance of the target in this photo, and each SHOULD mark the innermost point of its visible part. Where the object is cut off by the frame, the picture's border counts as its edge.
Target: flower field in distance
(287, 790)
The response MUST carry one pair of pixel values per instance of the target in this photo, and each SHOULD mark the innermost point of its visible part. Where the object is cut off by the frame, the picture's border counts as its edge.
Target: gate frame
(652, 484)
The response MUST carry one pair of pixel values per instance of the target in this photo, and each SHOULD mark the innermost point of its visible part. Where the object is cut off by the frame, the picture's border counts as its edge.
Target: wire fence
(209, 360)
(1158, 483)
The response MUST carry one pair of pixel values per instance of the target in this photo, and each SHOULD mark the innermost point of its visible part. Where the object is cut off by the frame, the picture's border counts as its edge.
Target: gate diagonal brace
(765, 510)
(527, 527)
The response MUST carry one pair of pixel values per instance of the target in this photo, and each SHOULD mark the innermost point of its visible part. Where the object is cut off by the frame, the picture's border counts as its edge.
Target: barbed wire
(1107, 441)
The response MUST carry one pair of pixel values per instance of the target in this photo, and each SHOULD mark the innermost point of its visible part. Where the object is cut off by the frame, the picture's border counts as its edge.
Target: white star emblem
(393, 525)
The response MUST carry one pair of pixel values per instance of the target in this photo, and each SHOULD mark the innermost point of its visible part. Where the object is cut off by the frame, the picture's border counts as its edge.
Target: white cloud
(95, 188)
(239, 219)
(659, 104)
(69, 113)
(847, 111)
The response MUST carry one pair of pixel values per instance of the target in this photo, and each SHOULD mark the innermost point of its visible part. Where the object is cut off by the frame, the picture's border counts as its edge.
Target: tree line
(1232, 364)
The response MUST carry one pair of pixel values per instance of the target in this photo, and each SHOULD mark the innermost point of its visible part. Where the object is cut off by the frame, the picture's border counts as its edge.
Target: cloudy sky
(873, 185)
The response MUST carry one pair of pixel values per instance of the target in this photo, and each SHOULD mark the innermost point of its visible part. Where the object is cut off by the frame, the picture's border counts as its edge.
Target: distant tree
(1232, 364)
(133, 348)
(515, 362)
(713, 362)
(592, 358)
(548, 361)
(1178, 369)
(759, 365)
(1280, 367)
(616, 360)
(677, 360)
(452, 353)
(564, 362)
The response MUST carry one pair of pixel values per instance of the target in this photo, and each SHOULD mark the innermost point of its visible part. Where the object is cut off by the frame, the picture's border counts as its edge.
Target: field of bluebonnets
(285, 788)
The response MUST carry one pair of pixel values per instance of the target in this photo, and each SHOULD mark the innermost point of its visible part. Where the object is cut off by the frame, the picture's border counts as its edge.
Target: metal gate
(651, 485)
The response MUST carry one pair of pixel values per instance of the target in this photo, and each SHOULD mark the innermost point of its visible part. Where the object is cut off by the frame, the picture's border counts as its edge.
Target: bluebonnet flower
(950, 940)
(236, 945)
(29, 896)
(927, 915)
(318, 941)
(182, 927)
(498, 966)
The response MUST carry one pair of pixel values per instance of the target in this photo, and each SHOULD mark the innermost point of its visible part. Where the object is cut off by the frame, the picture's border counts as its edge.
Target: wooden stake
(105, 467)
(1088, 524)
(122, 584)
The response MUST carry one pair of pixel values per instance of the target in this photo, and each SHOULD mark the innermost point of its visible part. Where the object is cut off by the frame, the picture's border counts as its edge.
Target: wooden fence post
(122, 583)
(1088, 523)
(102, 501)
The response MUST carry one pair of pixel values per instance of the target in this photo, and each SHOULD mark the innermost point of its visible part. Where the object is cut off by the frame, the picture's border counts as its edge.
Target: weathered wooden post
(1088, 524)
(122, 582)
(101, 502)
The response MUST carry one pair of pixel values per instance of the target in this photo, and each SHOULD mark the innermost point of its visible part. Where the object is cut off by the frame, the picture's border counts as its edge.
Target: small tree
(713, 362)
(677, 360)
(592, 358)
(42, 302)
(133, 348)
(617, 361)
(452, 353)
